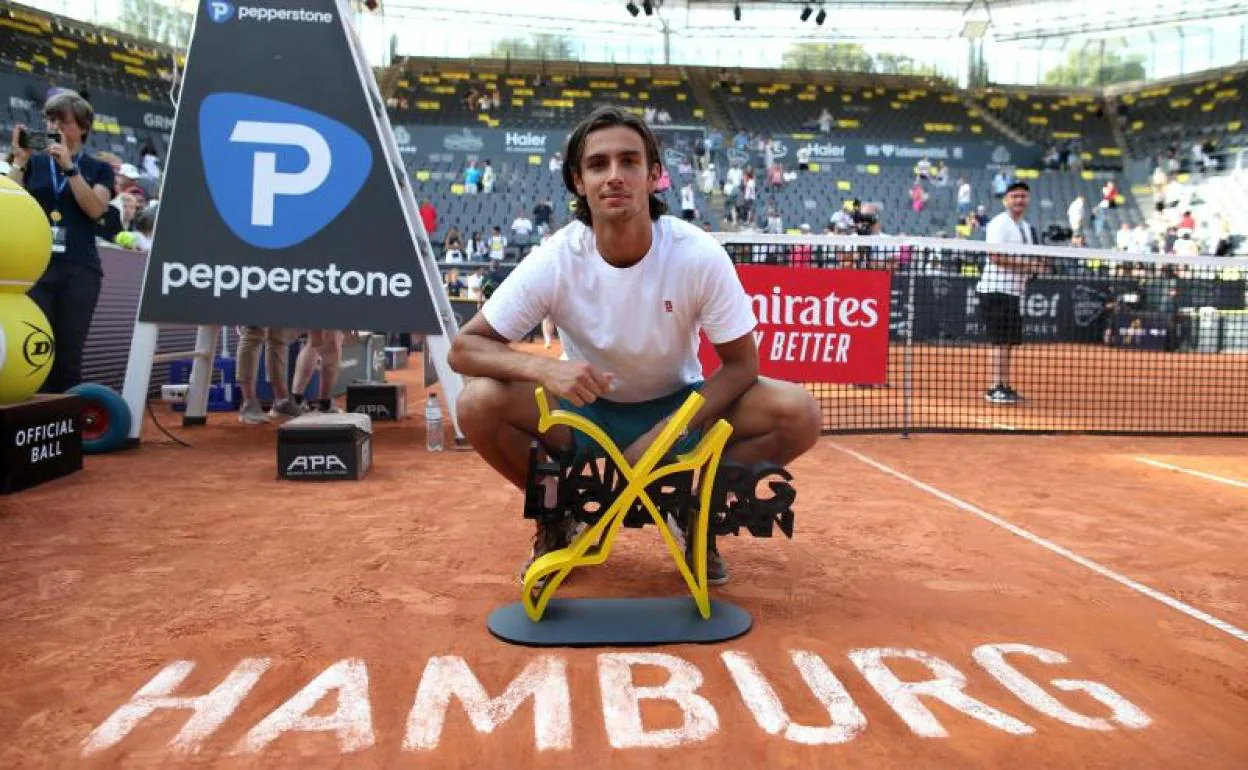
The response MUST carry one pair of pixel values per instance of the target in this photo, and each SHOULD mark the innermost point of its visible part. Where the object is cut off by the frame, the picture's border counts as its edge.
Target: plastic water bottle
(433, 424)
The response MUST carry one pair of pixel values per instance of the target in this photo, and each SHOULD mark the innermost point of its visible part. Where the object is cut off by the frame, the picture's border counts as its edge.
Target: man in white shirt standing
(628, 288)
(1001, 289)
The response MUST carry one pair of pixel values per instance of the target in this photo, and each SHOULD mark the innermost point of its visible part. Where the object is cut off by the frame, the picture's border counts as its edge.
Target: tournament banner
(832, 152)
(497, 143)
(26, 93)
(284, 200)
(816, 325)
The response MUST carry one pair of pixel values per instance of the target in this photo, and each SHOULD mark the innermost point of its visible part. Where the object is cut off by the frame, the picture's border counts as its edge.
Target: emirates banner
(816, 325)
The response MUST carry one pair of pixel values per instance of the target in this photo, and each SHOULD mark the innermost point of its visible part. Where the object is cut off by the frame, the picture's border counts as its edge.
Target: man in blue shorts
(628, 288)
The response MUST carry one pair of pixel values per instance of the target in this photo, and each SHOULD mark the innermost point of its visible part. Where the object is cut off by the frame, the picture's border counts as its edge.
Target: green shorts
(625, 423)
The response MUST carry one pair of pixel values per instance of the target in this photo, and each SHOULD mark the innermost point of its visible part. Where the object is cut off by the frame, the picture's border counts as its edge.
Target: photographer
(74, 190)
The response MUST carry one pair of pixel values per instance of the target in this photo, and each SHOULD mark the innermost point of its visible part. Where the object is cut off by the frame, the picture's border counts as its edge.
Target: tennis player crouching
(628, 288)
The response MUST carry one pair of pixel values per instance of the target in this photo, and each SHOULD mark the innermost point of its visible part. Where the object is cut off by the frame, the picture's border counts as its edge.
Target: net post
(907, 370)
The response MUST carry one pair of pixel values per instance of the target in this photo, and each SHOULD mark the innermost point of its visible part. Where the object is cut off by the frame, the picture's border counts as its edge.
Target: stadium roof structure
(1011, 19)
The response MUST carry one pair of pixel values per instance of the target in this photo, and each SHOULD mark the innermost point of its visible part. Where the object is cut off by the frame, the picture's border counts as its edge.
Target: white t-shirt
(803, 155)
(1003, 280)
(522, 226)
(686, 198)
(497, 244)
(964, 194)
(638, 323)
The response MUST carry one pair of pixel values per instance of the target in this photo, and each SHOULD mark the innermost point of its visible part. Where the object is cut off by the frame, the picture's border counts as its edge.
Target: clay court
(343, 624)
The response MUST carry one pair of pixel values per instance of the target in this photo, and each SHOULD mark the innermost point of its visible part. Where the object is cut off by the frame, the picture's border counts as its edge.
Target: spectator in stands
(454, 286)
(521, 227)
(1220, 234)
(964, 198)
(429, 217)
(487, 178)
(473, 283)
(708, 179)
(144, 225)
(688, 207)
(941, 177)
(825, 121)
(472, 178)
(981, 215)
(775, 176)
(1075, 213)
(453, 253)
(1185, 245)
(476, 248)
(664, 117)
(1001, 288)
(842, 221)
(453, 238)
(556, 163)
(650, 114)
(665, 182)
(74, 190)
(999, 184)
(749, 196)
(497, 245)
(803, 158)
(150, 160)
(923, 169)
(1122, 241)
(918, 197)
(542, 214)
(1142, 240)
(699, 153)
(1188, 222)
(1109, 194)
(775, 223)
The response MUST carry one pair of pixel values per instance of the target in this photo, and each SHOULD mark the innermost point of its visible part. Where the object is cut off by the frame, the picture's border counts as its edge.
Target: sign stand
(282, 161)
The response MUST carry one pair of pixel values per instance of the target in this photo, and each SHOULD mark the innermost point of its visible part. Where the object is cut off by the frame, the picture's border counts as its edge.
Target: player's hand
(60, 153)
(576, 381)
(19, 153)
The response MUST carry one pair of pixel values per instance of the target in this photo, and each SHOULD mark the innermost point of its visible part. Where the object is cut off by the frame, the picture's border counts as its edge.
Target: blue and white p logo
(278, 173)
(220, 11)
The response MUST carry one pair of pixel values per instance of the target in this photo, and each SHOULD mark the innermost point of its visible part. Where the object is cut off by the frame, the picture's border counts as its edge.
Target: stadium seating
(530, 100)
(878, 112)
(59, 52)
(76, 55)
(1210, 109)
(1053, 119)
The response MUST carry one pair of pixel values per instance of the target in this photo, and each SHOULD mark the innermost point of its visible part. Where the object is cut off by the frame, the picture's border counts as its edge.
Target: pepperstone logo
(221, 11)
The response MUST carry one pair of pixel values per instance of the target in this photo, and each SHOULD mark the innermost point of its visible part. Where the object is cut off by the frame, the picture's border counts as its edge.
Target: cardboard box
(379, 400)
(325, 447)
(40, 440)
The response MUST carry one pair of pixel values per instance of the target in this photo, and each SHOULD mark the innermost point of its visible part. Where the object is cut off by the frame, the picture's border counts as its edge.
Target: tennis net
(1068, 340)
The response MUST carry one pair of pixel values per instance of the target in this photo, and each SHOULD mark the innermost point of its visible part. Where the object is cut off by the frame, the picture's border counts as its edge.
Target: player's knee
(479, 405)
(796, 414)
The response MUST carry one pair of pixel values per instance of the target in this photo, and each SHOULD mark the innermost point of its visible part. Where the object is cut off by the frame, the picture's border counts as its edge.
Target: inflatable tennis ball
(26, 348)
(25, 239)
(127, 240)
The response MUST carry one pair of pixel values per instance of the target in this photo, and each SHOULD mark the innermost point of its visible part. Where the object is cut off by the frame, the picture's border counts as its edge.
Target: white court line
(1201, 474)
(1151, 593)
(996, 425)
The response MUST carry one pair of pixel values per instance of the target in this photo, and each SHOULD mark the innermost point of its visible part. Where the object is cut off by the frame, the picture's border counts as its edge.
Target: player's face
(1016, 202)
(613, 175)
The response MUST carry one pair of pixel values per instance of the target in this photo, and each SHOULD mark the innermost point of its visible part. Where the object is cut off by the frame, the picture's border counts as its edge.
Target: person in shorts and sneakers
(1001, 288)
(275, 343)
(629, 288)
(325, 345)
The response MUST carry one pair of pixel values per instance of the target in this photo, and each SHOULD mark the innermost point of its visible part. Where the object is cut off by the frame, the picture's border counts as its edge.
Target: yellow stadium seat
(847, 123)
(873, 168)
(976, 128)
(682, 96)
(844, 185)
(422, 175)
(457, 189)
(535, 160)
(1087, 175)
(846, 98)
(813, 166)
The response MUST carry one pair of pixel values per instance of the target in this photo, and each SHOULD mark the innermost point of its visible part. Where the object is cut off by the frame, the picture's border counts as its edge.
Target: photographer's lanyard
(59, 183)
(1022, 230)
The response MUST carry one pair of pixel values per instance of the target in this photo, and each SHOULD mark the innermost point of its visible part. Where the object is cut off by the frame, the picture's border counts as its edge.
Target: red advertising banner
(816, 325)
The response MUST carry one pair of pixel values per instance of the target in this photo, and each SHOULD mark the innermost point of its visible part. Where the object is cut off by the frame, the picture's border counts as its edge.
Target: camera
(38, 141)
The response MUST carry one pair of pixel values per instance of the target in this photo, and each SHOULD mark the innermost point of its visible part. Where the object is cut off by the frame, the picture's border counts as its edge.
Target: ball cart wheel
(105, 418)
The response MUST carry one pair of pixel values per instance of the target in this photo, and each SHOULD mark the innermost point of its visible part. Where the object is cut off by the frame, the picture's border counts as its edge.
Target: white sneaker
(286, 407)
(252, 414)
